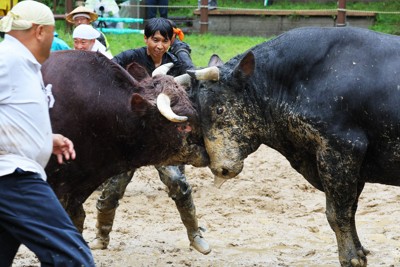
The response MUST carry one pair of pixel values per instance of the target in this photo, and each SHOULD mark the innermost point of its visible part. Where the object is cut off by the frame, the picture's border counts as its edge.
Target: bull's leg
(75, 211)
(77, 215)
(180, 191)
(356, 240)
(107, 204)
(339, 173)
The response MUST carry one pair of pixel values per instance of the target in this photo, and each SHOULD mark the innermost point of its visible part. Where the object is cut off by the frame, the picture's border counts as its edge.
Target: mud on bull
(325, 98)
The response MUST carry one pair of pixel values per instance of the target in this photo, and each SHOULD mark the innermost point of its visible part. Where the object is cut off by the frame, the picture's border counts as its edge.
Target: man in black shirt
(158, 37)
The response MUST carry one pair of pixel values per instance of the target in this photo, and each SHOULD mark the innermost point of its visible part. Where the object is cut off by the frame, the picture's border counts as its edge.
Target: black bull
(114, 123)
(328, 99)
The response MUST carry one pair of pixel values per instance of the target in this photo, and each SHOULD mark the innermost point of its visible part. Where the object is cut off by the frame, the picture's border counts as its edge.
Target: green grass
(203, 46)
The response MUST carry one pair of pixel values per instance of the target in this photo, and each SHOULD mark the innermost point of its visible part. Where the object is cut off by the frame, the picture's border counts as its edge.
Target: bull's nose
(225, 172)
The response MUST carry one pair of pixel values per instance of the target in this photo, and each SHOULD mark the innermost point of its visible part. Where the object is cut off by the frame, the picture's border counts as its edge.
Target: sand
(267, 216)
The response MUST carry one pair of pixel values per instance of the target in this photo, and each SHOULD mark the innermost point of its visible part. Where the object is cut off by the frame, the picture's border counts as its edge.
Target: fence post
(203, 16)
(341, 17)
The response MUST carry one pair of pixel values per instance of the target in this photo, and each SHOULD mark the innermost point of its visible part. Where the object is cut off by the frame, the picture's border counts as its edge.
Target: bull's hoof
(358, 263)
(99, 243)
(200, 244)
(365, 251)
(362, 260)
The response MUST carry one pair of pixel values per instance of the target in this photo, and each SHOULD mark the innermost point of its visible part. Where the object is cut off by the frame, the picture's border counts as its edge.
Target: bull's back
(347, 74)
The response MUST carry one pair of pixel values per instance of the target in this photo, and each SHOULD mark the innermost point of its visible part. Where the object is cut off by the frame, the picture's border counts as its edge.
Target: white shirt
(25, 131)
(101, 48)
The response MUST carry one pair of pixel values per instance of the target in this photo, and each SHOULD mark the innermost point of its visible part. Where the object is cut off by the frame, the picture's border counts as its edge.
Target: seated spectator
(85, 39)
(58, 44)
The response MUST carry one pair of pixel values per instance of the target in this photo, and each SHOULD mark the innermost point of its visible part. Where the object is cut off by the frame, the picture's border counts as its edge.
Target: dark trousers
(152, 11)
(31, 214)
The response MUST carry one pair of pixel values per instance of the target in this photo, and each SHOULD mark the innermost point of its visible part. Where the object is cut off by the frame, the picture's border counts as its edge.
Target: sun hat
(83, 12)
(26, 13)
(85, 31)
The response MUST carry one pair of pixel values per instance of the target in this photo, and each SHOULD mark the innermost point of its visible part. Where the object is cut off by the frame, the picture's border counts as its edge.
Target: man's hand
(62, 146)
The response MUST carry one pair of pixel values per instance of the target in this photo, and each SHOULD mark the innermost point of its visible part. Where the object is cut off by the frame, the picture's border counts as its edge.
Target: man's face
(83, 44)
(45, 36)
(49, 31)
(81, 20)
(157, 45)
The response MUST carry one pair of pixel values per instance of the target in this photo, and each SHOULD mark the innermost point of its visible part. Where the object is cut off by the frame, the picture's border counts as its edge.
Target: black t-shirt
(140, 56)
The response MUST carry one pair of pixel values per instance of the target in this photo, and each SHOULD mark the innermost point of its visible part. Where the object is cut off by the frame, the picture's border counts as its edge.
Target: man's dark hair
(159, 24)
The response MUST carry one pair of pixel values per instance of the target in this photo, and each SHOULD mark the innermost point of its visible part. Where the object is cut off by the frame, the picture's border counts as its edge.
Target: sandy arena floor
(268, 216)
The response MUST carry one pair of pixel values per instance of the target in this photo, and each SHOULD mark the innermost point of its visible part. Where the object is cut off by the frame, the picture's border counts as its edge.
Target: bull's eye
(220, 111)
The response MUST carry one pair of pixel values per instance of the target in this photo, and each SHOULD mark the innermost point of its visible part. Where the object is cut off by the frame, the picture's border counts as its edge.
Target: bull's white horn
(163, 69)
(218, 181)
(183, 80)
(206, 74)
(164, 106)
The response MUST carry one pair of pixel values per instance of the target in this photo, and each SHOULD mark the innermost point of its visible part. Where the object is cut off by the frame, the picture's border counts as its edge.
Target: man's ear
(39, 32)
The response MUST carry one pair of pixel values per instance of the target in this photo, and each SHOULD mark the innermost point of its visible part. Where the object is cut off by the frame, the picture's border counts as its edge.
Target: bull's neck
(272, 107)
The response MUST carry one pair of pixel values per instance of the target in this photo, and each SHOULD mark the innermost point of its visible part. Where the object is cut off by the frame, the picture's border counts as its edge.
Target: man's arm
(182, 51)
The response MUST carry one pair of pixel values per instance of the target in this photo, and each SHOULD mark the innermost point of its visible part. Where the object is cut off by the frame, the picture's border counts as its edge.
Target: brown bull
(115, 124)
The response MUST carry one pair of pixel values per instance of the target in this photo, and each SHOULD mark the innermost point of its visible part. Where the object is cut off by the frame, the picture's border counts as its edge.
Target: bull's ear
(215, 60)
(137, 71)
(245, 67)
(139, 105)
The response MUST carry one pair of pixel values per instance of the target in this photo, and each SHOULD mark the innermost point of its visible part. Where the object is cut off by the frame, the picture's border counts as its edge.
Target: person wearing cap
(30, 212)
(85, 39)
(158, 34)
(84, 15)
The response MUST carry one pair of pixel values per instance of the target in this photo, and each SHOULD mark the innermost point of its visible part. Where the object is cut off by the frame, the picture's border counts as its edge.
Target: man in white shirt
(30, 212)
(85, 38)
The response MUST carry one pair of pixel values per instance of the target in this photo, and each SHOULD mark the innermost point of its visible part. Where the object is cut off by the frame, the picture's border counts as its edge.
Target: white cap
(85, 31)
(26, 13)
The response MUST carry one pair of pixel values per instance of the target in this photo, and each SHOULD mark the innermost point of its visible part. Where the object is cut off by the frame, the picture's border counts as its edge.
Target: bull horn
(163, 69)
(164, 106)
(206, 74)
(183, 80)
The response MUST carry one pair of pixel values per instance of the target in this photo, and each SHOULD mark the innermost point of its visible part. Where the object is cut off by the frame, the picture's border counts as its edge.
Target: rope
(120, 31)
(126, 20)
(277, 10)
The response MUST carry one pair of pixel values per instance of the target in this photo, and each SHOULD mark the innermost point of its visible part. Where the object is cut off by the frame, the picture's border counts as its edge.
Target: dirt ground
(268, 216)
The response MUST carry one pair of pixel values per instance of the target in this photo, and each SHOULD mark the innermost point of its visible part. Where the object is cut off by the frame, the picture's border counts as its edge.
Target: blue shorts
(31, 214)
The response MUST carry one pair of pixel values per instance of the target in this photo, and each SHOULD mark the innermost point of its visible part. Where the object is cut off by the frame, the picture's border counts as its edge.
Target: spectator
(6, 5)
(84, 15)
(85, 39)
(4, 8)
(58, 44)
(30, 212)
(153, 5)
(158, 36)
(105, 9)
(212, 4)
